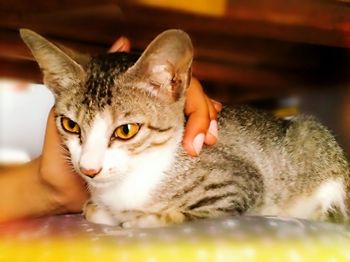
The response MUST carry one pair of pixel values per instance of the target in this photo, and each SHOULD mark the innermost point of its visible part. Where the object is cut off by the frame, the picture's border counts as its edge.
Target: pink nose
(90, 172)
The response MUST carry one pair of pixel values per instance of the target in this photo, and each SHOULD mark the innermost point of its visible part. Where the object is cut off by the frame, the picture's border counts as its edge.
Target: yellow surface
(206, 7)
(71, 238)
(82, 250)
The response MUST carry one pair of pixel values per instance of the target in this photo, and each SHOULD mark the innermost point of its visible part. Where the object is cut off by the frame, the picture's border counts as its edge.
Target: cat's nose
(90, 172)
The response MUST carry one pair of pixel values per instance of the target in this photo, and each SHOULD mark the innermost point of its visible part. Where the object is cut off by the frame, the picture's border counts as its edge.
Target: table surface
(72, 238)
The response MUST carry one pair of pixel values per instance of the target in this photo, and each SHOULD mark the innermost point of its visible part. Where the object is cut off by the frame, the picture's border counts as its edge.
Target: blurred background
(287, 56)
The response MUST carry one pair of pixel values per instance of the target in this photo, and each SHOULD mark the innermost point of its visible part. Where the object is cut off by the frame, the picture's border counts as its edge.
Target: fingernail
(118, 44)
(217, 104)
(213, 128)
(198, 143)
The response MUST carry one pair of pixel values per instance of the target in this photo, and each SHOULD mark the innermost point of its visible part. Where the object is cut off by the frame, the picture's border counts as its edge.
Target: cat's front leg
(98, 214)
(139, 219)
(145, 221)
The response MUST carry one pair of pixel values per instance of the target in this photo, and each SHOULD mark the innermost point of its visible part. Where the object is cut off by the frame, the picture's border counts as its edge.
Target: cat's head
(117, 112)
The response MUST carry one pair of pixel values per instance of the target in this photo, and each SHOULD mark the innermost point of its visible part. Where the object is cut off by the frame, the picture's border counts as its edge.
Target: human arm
(44, 186)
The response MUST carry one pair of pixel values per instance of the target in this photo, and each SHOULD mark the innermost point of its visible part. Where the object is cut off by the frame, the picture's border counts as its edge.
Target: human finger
(122, 44)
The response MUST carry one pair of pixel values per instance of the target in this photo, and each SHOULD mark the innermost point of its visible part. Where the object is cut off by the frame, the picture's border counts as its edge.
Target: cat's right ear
(59, 66)
(164, 68)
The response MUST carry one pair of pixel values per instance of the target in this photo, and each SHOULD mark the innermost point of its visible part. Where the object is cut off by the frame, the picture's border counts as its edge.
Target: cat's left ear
(62, 68)
(164, 68)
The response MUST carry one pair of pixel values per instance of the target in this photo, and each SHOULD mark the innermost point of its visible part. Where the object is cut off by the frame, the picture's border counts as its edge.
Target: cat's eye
(70, 126)
(127, 131)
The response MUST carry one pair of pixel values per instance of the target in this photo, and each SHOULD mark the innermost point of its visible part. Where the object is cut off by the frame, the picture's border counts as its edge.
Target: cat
(121, 116)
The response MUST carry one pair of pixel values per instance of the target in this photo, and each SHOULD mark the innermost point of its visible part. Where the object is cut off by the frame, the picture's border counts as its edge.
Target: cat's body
(261, 165)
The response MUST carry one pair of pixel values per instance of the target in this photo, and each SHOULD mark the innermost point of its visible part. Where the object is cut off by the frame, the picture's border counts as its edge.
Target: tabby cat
(121, 118)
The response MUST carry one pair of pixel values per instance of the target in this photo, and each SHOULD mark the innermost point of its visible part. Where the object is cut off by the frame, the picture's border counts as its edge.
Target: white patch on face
(126, 181)
(95, 144)
(136, 176)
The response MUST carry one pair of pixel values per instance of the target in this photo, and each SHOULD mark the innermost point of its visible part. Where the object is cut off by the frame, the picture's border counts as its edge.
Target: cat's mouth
(99, 180)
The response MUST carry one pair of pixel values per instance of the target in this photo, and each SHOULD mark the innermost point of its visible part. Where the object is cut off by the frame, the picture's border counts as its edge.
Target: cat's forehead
(101, 75)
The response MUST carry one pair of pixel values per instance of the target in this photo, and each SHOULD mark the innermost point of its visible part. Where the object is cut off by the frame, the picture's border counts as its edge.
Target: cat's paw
(172, 217)
(97, 214)
(144, 220)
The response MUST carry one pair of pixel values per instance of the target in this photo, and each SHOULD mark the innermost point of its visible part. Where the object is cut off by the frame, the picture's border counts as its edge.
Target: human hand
(66, 190)
(201, 126)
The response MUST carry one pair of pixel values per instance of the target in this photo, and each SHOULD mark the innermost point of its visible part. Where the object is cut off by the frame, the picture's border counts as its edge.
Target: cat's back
(261, 165)
(246, 121)
(287, 152)
(301, 141)
(250, 133)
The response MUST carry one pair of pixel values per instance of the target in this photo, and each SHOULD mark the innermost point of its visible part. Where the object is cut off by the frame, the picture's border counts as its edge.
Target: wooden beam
(256, 45)
(25, 70)
(315, 22)
(12, 46)
(247, 61)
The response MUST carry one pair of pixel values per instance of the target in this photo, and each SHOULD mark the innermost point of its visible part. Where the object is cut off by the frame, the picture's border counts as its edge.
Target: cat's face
(117, 116)
(135, 129)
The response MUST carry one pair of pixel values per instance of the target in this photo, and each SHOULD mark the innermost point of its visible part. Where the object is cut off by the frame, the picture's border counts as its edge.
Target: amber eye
(70, 126)
(127, 131)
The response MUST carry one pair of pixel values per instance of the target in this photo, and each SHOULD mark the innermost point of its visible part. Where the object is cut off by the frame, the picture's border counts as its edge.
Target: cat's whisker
(66, 157)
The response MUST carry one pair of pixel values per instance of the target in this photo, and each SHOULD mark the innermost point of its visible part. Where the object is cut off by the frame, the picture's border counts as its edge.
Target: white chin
(100, 181)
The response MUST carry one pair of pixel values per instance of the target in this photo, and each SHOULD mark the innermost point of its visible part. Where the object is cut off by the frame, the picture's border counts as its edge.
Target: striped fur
(261, 165)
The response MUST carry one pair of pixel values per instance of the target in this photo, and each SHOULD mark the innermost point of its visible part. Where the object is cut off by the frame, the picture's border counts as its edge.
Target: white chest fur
(136, 188)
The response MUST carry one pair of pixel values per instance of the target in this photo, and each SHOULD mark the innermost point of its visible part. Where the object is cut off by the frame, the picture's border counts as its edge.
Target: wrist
(66, 191)
(54, 200)
(66, 196)
(22, 193)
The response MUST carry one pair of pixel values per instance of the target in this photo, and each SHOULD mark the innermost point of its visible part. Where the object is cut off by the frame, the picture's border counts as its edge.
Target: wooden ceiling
(256, 48)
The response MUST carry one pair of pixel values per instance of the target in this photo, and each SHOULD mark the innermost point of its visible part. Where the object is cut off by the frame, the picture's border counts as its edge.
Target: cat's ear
(60, 67)
(164, 68)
